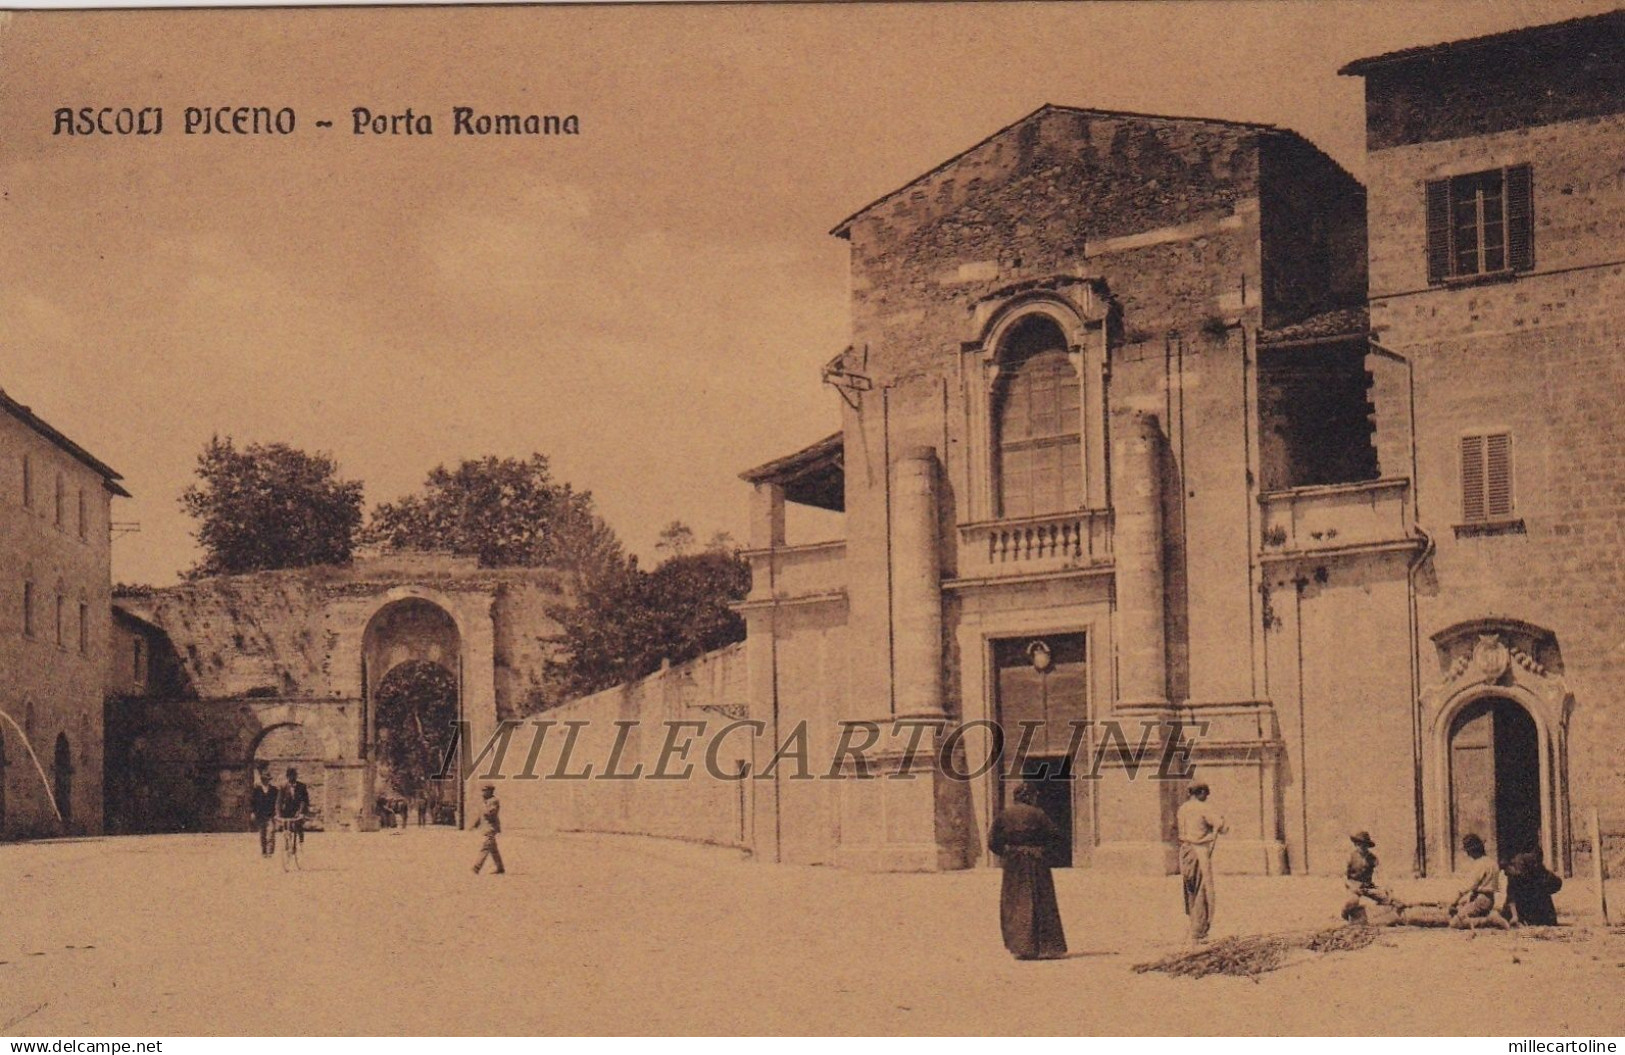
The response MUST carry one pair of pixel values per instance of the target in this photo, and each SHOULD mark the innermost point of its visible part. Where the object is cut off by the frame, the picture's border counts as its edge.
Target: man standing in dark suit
(262, 804)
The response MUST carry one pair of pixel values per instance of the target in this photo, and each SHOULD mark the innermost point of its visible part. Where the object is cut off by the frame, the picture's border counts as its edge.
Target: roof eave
(25, 415)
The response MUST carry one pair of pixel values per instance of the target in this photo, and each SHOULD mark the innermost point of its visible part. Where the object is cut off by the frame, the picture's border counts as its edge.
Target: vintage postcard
(1082, 519)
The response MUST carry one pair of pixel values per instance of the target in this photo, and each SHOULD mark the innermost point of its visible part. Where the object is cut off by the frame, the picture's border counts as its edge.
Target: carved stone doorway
(1497, 728)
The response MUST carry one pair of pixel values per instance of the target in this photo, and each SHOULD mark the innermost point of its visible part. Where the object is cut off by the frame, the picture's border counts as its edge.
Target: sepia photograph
(1080, 519)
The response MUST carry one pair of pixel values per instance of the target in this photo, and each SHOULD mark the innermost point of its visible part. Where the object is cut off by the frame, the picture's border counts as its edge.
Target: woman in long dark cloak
(1022, 836)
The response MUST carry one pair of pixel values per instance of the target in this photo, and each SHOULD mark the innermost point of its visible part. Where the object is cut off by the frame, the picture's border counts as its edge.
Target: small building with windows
(1497, 205)
(55, 549)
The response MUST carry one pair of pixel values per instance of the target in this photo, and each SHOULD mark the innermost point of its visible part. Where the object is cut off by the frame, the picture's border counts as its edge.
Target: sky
(648, 303)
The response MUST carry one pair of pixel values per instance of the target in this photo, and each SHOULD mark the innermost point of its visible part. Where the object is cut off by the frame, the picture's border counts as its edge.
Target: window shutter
(1438, 221)
(1498, 476)
(1472, 478)
(1520, 205)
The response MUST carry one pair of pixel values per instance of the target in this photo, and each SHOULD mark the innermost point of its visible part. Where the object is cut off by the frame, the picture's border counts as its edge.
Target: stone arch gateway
(310, 648)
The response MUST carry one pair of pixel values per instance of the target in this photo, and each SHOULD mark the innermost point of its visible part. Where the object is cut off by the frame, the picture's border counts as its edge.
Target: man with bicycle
(293, 805)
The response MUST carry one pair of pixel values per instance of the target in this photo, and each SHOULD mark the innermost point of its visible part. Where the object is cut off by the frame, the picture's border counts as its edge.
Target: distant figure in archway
(262, 806)
(62, 779)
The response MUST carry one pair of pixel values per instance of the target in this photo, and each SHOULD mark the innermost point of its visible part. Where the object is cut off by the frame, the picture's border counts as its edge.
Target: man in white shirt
(1199, 829)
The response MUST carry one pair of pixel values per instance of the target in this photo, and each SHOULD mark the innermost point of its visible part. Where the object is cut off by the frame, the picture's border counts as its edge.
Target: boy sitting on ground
(1476, 904)
(1360, 879)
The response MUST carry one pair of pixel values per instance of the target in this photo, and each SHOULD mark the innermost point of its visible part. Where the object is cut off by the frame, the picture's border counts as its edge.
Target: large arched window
(1038, 423)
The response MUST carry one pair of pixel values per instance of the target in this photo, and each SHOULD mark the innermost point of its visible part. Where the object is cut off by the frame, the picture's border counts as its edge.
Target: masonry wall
(629, 789)
(51, 678)
(1539, 354)
(1313, 229)
(1339, 674)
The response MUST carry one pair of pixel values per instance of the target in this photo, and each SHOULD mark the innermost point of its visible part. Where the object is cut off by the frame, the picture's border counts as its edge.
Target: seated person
(1476, 904)
(1361, 875)
(1530, 887)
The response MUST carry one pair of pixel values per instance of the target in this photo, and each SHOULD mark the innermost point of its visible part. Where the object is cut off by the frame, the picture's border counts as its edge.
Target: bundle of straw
(1249, 956)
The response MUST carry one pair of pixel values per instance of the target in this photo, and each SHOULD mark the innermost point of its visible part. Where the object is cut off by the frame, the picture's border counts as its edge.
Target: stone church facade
(1159, 423)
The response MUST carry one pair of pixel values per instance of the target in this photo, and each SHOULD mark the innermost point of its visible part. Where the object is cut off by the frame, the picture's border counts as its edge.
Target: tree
(623, 626)
(270, 506)
(505, 512)
(416, 712)
(676, 539)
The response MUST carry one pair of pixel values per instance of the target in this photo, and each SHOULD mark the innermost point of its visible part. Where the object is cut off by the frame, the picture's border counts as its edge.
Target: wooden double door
(1041, 682)
(1495, 779)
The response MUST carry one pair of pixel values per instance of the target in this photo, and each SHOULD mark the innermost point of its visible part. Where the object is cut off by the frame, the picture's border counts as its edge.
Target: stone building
(1079, 355)
(1497, 220)
(212, 678)
(55, 549)
(1121, 450)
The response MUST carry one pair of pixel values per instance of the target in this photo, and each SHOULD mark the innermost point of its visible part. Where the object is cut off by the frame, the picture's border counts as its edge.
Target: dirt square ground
(390, 933)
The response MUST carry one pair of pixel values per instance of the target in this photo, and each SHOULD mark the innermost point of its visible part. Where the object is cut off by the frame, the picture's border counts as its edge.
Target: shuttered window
(1040, 448)
(1481, 223)
(1486, 477)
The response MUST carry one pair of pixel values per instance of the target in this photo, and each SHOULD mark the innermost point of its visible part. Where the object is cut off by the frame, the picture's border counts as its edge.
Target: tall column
(1136, 808)
(767, 516)
(916, 601)
(1142, 659)
(898, 824)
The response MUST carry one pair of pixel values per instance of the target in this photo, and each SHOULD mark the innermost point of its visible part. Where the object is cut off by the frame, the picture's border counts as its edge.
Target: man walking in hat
(1360, 877)
(1199, 829)
(262, 806)
(491, 817)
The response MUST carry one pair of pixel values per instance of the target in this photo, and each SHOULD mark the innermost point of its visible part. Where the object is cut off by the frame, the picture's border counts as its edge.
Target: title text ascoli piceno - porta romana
(283, 121)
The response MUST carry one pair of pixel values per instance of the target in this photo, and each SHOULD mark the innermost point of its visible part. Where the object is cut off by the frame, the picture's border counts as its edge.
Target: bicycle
(293, 833)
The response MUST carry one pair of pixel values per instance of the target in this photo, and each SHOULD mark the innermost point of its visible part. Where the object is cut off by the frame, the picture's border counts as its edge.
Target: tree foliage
(506, 512)
(624, 624)
(676, 539)
(270, 506)
(415, 713)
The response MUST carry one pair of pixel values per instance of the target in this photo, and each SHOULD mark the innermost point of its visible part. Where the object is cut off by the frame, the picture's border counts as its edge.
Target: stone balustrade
(1032, 544)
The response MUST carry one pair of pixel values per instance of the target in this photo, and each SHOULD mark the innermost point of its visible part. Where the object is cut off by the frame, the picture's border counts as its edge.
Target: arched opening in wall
(294, 746)
(1038, 423)
(416, 709)
(62, 778)
(419, 639)
(1495, 778)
